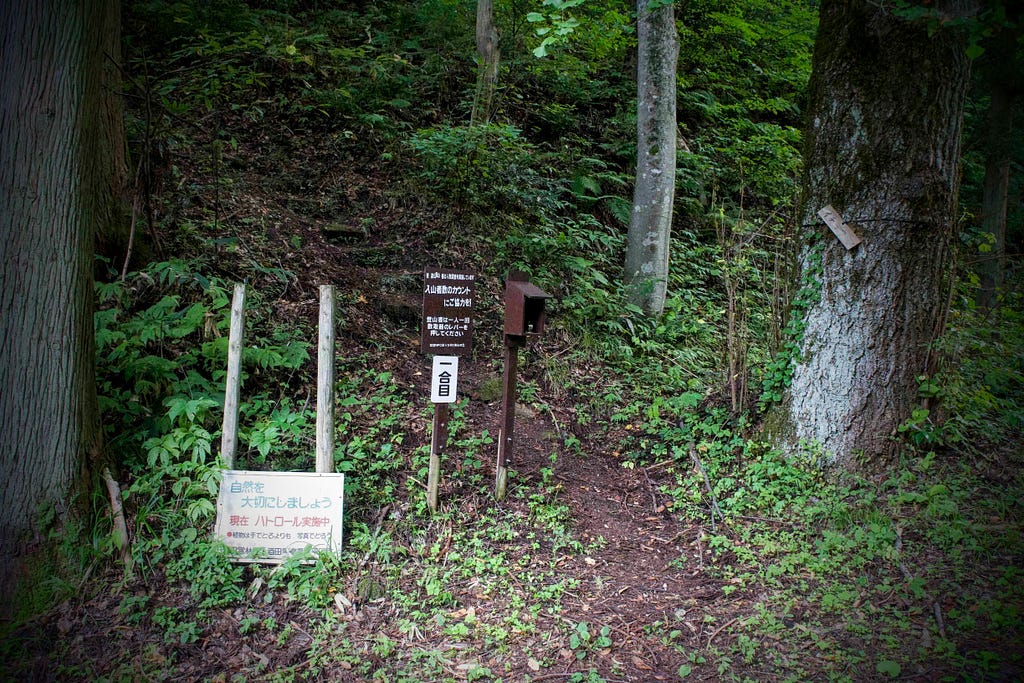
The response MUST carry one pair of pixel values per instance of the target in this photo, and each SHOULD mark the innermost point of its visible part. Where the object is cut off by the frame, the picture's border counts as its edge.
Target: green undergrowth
(161, 352)
(837, 575)
(911, 572)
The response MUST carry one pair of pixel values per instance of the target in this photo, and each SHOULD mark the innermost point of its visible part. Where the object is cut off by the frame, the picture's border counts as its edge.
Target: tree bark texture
(108, 147)
(50, 131)
(650, 225)
(489, 56)
(883, 148)
(1002, 89)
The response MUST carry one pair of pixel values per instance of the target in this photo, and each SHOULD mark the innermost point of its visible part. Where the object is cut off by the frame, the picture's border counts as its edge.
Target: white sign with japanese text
(269, 516)
(444, 380)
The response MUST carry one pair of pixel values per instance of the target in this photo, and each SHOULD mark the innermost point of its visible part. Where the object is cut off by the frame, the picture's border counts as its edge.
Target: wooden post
(438, 439)
(506, 431)
(325, 384)
(229, 431)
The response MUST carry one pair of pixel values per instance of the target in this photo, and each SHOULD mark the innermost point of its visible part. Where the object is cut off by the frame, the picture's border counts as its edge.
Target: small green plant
(132, 607)
(248, 624)
(177, 628)
(583, 643)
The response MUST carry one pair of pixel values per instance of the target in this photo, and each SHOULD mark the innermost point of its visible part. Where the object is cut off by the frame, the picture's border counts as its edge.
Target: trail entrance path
(643, 576)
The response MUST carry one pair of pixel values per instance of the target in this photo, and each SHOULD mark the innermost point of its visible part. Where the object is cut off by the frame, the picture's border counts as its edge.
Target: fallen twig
(719, 630)
(936, 609)
(659, 465)
(707, 483)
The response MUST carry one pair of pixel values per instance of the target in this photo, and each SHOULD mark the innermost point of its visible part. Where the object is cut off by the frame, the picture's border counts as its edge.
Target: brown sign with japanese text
(447, 312)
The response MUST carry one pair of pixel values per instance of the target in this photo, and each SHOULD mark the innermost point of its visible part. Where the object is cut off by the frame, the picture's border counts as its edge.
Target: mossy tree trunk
(647, 247)
(883, 148)
(54, 177)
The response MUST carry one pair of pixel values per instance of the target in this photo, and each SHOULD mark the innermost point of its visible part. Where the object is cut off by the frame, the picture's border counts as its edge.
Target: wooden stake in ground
(120, 528)
(524, 318)
(506, 433)
(325, 384)
(438, 438)
(444, 383)
(229, 431)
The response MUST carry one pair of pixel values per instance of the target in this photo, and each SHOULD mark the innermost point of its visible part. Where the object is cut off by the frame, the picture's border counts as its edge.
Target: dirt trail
(646, 579)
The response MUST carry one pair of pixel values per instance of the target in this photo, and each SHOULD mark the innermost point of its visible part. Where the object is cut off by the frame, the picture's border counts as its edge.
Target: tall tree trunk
(998, 155)
(650, 226)
(109, 155)
(488, 56)
(50, 134)
(883, 148)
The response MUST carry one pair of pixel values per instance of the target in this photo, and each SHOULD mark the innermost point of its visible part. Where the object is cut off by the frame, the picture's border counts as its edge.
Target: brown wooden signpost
(447, 333)
(524, 317)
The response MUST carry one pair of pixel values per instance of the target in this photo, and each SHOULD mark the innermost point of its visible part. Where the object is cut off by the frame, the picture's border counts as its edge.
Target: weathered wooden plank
(232, 387)
(325, 384)
(839, 227)
(438, 438)
(506, 432)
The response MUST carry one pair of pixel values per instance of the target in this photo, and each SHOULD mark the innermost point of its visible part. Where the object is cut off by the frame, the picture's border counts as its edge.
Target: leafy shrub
(481, 168)
(976, 395)
(161, 355)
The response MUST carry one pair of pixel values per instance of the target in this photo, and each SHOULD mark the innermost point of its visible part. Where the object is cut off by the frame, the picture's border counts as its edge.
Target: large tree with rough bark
(883, 149)
(55, 196)
(650, 225)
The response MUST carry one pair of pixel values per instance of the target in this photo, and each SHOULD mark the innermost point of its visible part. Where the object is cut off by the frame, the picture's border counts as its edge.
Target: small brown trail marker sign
(447, 312)
(839, 227)
(447, 332)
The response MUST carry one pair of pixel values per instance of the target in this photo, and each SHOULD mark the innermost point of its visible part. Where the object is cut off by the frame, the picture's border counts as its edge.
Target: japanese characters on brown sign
(447, 328)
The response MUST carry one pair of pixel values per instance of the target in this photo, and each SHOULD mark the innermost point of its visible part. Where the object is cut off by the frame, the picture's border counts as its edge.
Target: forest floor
(585, 572)
(618, 568)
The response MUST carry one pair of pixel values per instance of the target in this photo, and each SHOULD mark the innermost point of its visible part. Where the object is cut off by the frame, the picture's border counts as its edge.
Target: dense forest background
(653, 530)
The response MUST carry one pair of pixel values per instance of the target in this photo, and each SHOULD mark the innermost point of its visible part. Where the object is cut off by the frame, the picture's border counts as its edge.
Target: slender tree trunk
(488, 56)
(50, 130)
(998, 155)
(883, 148)
(650, 226)
(108, 154)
